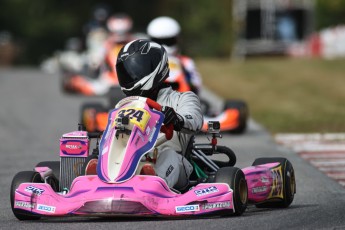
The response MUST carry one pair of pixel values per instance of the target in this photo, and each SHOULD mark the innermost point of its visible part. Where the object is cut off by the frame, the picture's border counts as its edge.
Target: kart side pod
(74, 149)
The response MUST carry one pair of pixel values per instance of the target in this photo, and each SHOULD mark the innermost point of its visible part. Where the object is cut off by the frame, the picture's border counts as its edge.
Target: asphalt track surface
(34, 114)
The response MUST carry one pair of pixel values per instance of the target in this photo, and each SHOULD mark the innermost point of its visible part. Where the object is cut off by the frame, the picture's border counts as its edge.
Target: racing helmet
(165, 30)
(119, 25)
(141, 66)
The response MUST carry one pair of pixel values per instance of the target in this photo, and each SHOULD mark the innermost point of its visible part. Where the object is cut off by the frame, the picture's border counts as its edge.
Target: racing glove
(171, 117)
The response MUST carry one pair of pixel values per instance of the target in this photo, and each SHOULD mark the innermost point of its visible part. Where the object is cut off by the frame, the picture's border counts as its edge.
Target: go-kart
(116, 185)
(92, 81)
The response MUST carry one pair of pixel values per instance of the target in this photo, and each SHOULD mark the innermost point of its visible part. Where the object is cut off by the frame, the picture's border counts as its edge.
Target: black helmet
(141, 66)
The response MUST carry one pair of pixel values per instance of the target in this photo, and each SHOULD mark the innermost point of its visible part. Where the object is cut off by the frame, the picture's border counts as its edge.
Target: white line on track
(324, 151)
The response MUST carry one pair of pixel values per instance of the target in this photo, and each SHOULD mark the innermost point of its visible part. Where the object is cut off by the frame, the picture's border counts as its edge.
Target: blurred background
(292, 84)
(35, 29)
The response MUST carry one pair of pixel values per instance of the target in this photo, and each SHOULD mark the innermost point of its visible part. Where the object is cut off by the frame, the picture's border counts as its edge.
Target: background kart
(92, 80)
(233, 118)
(64, 188)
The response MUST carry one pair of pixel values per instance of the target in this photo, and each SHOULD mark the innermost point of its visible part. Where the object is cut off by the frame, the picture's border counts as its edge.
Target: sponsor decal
(34, 190)
(165, 71)
(205, 191)
(264, 180)
(277, 183)
(73, 146)
(46, 208)
(148, 130)
(189, 117)
(259, 189)
(151, 134)
(170, 169)
(187, 208)
(23, 204)
(216, 205)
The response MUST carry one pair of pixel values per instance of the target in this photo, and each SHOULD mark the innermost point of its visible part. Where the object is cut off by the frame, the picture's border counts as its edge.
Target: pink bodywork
(121, 192)
(144, 195)
(264, 182)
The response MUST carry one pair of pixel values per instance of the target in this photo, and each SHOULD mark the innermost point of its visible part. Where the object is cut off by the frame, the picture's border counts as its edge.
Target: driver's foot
(148, 169)
(91, 168)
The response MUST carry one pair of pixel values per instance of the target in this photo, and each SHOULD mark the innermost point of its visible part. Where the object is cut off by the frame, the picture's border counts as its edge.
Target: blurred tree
(43, 26)
(330, 13)
(206, 25)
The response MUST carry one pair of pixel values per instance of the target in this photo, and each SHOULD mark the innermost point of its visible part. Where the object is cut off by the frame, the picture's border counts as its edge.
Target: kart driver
(165, 31)
(142, 67)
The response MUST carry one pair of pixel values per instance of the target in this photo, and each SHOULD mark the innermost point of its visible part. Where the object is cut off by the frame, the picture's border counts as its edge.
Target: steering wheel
(167, 129)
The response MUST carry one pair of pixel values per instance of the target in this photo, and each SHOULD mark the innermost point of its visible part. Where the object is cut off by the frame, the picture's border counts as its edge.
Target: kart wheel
(88, 114)
(115, 94)
(235, 178)
(242, 107)
(19, 178)
(55, 166)
(289, 184)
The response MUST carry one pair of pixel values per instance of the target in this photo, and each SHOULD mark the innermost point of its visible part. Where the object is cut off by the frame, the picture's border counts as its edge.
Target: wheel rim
(243, 191)
(292, 183)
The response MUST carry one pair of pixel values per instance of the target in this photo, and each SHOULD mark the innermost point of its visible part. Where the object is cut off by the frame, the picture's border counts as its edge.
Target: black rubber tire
(242, 107)
(95, 108)
(55, 166)
(235, 178)
(19, 178)
(289, 182)
(115, 94)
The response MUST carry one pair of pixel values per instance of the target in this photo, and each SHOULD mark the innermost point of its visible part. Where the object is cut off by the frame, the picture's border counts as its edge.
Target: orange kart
(93, 82)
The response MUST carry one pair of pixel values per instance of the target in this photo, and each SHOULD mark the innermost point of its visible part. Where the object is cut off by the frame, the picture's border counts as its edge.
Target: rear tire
(235, 178)
(19, 178)
(242, 107)
(289, 182)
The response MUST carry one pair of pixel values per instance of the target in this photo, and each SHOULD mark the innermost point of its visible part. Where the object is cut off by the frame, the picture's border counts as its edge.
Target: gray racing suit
(171, 164)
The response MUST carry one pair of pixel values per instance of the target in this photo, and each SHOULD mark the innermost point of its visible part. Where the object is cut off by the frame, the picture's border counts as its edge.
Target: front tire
(19, 178)
(55, 167)
(289, 182)
(235, 178)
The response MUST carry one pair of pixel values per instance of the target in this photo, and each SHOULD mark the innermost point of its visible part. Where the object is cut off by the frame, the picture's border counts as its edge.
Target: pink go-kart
(111, 180)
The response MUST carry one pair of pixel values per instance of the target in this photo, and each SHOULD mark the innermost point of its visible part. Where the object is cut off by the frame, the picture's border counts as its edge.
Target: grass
(285, 95)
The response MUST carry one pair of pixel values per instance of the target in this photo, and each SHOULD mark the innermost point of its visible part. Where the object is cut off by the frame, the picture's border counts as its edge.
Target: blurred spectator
(8, 49)
(329, 43)
(286, 28)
